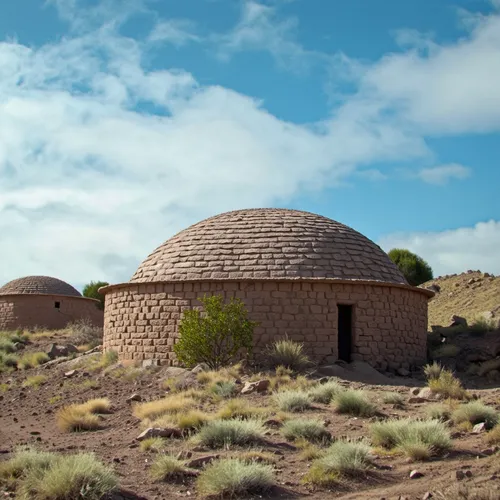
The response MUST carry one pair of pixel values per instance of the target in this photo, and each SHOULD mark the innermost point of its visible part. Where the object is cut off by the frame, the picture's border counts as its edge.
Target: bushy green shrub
(476, 412)
(224, 433)
(355, 403)
(414, 268)
(310, 429)
(324, 393)
(216, 335)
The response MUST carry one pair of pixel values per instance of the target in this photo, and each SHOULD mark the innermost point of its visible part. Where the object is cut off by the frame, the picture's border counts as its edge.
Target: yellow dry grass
(169, 405)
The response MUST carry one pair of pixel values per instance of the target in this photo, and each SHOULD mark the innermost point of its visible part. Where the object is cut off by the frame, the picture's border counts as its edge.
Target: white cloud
(176, 31)
(90, 183)
(442, 174)
(453, 251)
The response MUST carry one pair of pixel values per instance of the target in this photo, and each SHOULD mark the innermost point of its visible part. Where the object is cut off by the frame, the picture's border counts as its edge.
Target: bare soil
(27, 416)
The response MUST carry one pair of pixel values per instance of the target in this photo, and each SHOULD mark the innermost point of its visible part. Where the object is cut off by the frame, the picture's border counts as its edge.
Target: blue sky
(124, 121)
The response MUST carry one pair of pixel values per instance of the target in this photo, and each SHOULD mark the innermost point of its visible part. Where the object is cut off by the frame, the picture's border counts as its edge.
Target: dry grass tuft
(239, 408)
(257, 456)
(354, 403)
(310, 430)
(235, 478)
(325, 393)
(97, 406)
(475, 412)
(293, 401)
(170, 405)
(152, 444)
(446, 384)
(225, 433)
(393, 398)
(73, 419)
(166, 467)
(32, 360)
(35, 381)
(493, 437)
(288, 354)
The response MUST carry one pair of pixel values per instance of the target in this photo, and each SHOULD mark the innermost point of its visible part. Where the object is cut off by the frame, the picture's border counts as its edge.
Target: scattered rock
(426, 393)
(414, 391)
(202, 367)
(479, 428)
(164, 432)
(286, 446)
(468, 473)
(489, 451)
(458, 321)
(184, 455)
(57, 351)
(427, 495)
(260, 386)
(273, 422)
(458, 475)
(415, 474)
(149, 363)
(199, 462)
(434, 288)
(417, 400)
(403, 372)
(70, 374)
(134, 397)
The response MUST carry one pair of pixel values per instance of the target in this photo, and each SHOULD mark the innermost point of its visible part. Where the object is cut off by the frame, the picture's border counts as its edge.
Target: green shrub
(32, 360)
(216, 336)
(7, 361)
(342, 458)
(354, 403)
(324, 393)
(475, 412)
(223, 388)
(414, 268)
(91, 291)
(292, 400)
(6, 345)
(401, 433)
(165, 467)
(311, 430)
(43, 476)
(235, 478)
(393, 398)
(438, 411)
(289, 354)
(224, 433)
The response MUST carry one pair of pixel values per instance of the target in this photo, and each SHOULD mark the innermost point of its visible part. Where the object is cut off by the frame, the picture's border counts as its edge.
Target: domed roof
(39, 285)
(268, 244)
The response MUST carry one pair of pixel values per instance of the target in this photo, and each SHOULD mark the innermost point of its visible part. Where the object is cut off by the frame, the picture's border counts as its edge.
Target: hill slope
(468, 294)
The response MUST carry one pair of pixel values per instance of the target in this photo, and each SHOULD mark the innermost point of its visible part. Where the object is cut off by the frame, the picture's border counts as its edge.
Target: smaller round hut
(45, 302)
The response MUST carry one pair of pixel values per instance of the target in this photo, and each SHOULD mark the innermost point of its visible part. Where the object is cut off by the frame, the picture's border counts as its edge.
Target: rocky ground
(28, 416)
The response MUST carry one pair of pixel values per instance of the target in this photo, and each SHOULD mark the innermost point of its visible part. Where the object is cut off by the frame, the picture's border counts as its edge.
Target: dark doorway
(344, 332)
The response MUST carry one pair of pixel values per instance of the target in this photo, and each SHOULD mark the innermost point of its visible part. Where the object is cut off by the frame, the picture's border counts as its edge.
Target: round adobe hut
(42, 301)
(300, 274)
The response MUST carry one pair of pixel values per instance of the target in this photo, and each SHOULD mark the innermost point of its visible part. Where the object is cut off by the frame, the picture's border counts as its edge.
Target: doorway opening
(344, 332)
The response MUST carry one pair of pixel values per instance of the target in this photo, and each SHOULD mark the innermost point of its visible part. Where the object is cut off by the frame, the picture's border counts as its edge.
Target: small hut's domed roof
(38, 285)
(268, 244)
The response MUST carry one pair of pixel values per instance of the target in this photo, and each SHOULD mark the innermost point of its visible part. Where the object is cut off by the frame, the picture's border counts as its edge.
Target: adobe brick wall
(390, 322)
(28, 311)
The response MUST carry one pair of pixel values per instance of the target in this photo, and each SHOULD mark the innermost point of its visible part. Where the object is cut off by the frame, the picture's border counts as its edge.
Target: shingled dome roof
(36, 285)
(268, 244)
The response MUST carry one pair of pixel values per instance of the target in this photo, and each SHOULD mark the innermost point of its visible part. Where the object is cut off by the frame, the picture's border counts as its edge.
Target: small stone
(458, 475)
(458, 321)
(415, 474)
(164, 432)
(415, 391)
(260, 386)
(134, 397)
(403, 372)
(468, 473)
(199, 462)
(479, 428)
(70, 374)
(417, 400)
(427, 495)
(202, 367)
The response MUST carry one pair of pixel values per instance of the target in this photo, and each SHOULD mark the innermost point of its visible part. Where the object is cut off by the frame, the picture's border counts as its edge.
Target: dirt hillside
(470, 295)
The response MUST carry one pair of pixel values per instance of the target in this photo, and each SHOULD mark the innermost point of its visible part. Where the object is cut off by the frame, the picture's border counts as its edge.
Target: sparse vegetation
(83, 332)
(289, 354)
(224, 433)
(446, 384)
(7, 361)
(35, 381)
(415, 269)
(43, 475)
(417, 438)
(493, 437)
(32, 360)
(191, 420)
(432, 371)
(235, 478)
(169, 405)
(482, 325)
(91, 290)
(439, 411)
(223, 389)
(293, 400)
(475, 412)
(165, 467)
(354, 403)
(393, 398)
(310, 429)
(82, 417)
(324, 393)
(341, 459)
(239, 408)
(216, 336)
(152, 444)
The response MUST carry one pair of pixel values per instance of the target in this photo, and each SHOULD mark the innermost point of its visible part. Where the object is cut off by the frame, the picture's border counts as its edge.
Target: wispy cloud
(442, 174)
(176, 31)
(453, 251)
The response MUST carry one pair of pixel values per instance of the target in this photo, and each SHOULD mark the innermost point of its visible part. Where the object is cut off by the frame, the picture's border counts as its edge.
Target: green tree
(91, 291)
(415, 269)
(215, 335)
